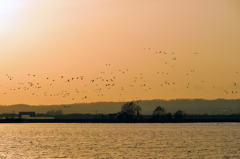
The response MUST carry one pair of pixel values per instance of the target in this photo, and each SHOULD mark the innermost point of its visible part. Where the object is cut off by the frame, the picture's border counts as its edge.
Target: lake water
(77, 140)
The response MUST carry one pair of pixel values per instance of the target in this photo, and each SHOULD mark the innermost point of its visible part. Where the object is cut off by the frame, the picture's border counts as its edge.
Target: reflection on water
(74, 140)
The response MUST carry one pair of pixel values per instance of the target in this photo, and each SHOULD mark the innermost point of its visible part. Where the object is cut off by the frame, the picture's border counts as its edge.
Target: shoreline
(110, 121)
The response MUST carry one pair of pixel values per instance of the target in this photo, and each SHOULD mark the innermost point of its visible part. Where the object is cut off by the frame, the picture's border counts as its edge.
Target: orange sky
(50, 39)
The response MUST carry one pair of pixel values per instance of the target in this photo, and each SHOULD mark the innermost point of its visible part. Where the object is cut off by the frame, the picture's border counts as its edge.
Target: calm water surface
(74, 140)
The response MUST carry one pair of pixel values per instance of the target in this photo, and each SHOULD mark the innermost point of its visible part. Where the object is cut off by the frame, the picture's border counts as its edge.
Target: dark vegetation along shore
(130, 113)
(190, 106)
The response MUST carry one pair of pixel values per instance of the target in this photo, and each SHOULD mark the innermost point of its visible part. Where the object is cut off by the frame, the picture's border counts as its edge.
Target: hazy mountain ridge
(191, 106)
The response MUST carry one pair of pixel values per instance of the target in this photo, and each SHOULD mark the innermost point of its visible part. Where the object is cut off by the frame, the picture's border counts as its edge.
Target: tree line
(130, 111)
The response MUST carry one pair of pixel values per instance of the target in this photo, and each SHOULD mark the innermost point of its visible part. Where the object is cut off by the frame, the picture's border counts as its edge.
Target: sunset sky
(77, 51)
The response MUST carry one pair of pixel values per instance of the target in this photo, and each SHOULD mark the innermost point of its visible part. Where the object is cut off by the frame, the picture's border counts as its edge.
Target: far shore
(144, 119)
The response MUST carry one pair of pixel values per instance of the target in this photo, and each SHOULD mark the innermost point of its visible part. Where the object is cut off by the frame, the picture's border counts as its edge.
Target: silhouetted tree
(59, 112)
(179, 115)
(131, 108)
(138, 109)
(129, 111)
(159, 114)
(53, 112)
(169, 116)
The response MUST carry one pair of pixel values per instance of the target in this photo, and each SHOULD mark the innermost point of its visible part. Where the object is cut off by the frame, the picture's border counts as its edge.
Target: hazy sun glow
(8, 6)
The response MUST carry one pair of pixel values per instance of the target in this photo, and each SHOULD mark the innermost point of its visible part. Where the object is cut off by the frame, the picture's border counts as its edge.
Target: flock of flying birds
(99, 85)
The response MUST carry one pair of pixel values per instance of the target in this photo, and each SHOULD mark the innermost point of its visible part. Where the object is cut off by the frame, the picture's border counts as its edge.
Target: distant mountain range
(190, 106)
